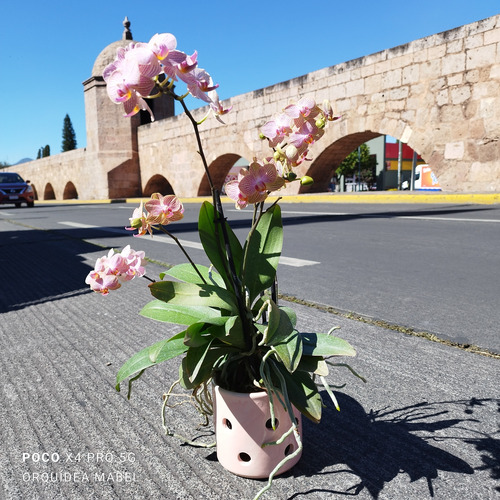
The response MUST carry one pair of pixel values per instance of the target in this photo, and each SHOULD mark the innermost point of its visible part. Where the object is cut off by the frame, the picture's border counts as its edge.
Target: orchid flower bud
(321, 122)
(136, 223)
(279, 155)
(306, 180)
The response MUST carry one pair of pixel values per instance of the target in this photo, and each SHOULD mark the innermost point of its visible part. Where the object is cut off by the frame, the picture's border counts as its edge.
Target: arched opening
(158, 184)
(368, 160)
(328, 161)
(48, 193)
(70, 192)
(219, 170)
(35, 192)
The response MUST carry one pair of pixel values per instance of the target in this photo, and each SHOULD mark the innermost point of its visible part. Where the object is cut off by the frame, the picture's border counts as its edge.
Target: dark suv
(15, 191)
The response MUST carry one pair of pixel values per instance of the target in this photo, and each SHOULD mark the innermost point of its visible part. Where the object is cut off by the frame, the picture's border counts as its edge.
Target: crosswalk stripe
(287, 261)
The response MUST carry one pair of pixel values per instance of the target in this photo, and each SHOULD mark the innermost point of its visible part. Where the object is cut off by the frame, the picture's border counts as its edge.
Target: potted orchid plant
(236, 336)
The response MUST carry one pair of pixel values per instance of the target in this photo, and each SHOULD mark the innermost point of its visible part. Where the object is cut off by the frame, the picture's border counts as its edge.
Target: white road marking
(431, 217)
(297, 212)
(77, 224)
(375, 215)
(287, 261)
(291, 261)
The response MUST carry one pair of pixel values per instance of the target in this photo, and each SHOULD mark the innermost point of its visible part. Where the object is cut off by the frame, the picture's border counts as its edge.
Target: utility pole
(413, 166)
(359, 168)
(400, 163)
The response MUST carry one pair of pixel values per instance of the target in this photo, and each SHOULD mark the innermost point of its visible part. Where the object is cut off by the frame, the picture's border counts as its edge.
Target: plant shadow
(377, 446)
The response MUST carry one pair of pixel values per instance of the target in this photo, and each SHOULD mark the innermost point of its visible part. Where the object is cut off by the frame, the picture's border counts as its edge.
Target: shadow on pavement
(377, 446)
(38, 266)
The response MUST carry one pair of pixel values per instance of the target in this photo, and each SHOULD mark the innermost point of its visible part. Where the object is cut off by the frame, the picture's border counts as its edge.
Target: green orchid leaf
(198, 364)
(197, 335)
(321, 344)
(302, 392)
(151, 356)
(289, 350)
(292, 316)
(207, 329)
(257, 305)
(185, 272)
(234, 334)
(212, 239)
(177, 313)
(273, 321)
(189, 294)
(313, 364)
(283, 331)
(262, 252)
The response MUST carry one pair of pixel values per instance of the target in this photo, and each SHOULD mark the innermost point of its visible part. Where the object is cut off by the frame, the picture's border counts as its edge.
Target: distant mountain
(24, 160)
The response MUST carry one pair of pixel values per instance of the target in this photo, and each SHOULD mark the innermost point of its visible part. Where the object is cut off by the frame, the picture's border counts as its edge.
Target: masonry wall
(439, 94)
(57, 171)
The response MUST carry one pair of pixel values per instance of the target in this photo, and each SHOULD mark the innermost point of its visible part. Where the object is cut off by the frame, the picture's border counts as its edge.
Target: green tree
(68, 135)
(43, 152)
(350, 165)
(4, 164)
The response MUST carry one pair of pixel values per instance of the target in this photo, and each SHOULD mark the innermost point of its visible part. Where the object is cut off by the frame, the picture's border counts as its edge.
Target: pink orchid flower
(327, 110)
(140, 222)
(232, 189)
(101, 282)
(200, 84)
(179, 64)
(307, 134)
(164, 209)
(111, 270)
(295, 156)
(126, 84)
(162, 44)
(277, 130)
(304, 107)
(217, 107)
(254, 184)
(133, 264)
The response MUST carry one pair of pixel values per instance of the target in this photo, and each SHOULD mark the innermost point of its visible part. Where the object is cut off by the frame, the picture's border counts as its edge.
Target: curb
(365, 197)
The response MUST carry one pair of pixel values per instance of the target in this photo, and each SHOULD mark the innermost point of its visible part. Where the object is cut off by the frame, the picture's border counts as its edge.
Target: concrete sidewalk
(424, 426)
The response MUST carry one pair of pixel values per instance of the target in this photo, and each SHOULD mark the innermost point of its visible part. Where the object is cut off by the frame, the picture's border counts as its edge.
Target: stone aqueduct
(439, 94)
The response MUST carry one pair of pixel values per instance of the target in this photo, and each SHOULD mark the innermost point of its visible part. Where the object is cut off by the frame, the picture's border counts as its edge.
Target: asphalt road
(424, 426)
(432, 268)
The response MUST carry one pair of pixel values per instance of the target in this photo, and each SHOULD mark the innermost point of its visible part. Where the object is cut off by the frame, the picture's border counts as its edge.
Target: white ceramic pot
(243, 424)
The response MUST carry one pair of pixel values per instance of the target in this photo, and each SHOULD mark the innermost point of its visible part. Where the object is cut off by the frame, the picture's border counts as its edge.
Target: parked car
(14, 190)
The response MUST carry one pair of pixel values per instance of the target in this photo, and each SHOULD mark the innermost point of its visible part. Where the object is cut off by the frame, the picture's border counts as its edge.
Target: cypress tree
(68, 135)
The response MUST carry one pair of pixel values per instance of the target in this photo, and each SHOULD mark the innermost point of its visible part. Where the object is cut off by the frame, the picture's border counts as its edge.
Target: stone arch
(48, 193)
(331, 157)
(70, 192)
(218, 170)
(35, 192)
(157, 184)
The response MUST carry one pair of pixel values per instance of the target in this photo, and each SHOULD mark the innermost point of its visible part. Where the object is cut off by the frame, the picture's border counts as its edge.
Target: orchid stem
(220, 220)
(179, 244)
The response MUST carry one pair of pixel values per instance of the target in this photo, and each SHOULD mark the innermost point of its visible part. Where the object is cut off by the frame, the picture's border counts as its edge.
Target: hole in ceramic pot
(269, 423)
(227, 423)
(289, 449)
(244, 457)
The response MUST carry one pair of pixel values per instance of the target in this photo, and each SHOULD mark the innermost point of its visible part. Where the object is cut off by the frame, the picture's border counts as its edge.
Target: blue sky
(48, 48)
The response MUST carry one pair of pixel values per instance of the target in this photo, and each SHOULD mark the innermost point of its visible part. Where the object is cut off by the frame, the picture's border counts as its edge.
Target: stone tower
(112, 150)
